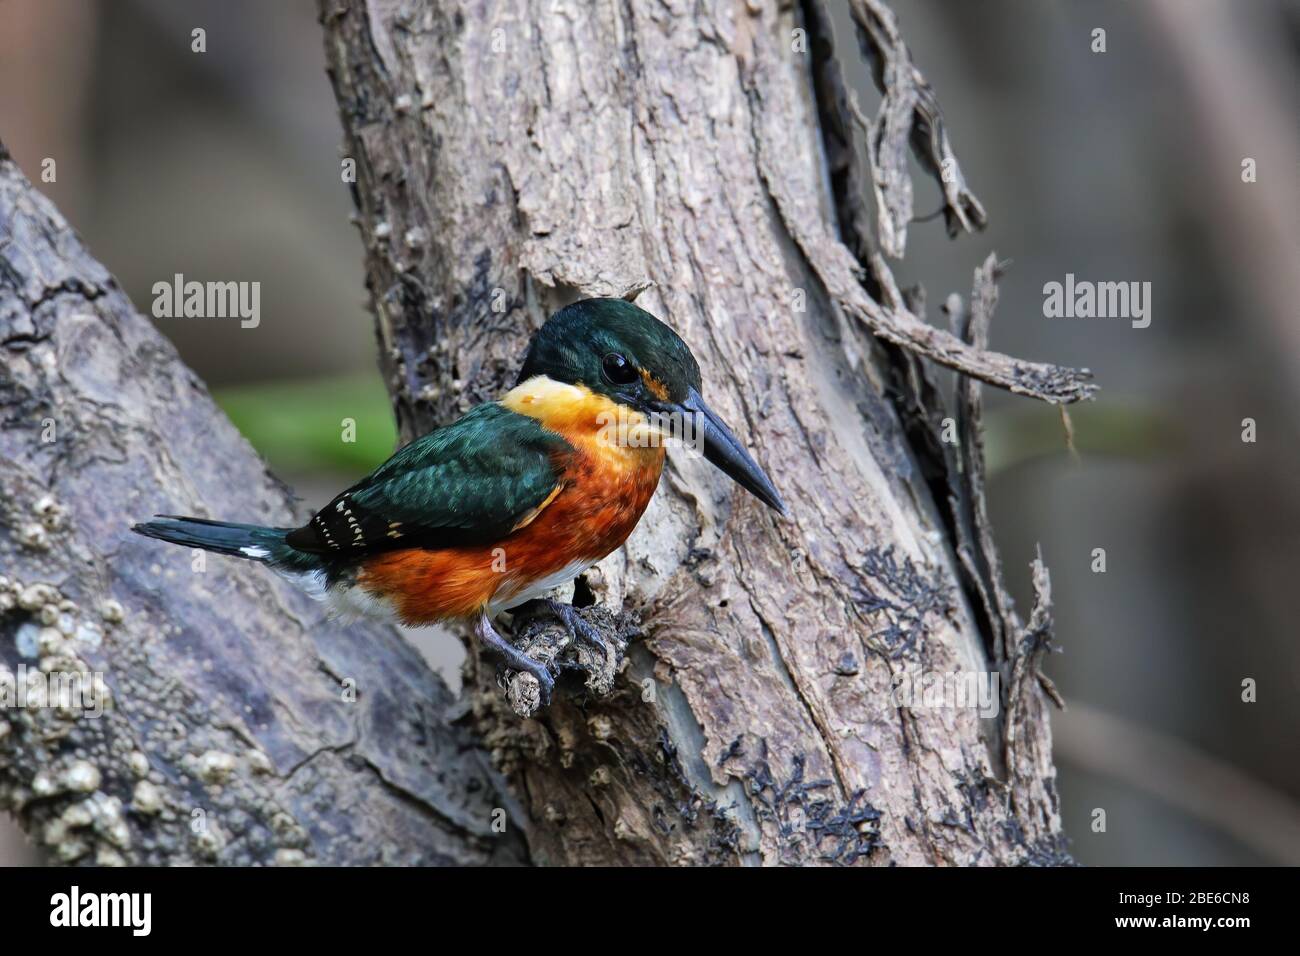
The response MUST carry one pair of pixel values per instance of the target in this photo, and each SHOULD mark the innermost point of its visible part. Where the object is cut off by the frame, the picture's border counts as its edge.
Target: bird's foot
(577, 626)
(518, 660)
(592, 642)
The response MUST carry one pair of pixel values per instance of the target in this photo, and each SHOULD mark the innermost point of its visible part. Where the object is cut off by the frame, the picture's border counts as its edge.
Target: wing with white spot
(472, 482)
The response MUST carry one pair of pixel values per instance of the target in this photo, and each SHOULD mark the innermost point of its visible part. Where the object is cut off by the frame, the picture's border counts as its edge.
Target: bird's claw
(578, 627)
(545, 683)
(517, 660)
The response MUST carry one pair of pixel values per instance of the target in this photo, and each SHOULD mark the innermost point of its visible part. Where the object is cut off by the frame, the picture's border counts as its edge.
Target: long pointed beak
(724, 450)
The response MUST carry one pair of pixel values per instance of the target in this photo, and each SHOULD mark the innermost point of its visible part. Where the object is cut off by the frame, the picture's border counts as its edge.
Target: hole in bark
(582, 594)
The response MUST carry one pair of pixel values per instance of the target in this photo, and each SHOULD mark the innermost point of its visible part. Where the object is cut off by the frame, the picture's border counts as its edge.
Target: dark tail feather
(240, 540)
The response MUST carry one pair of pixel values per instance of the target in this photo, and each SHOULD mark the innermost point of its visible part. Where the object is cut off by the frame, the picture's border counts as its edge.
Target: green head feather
(615, 349)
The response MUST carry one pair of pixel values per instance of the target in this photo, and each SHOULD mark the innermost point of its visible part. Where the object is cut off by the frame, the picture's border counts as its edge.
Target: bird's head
(625, 354)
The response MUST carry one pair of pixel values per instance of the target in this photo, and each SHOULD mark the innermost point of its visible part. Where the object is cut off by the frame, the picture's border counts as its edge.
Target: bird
(515, 498)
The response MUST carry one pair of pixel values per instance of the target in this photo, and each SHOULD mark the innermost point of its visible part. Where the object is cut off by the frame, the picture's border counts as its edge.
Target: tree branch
(228, 732)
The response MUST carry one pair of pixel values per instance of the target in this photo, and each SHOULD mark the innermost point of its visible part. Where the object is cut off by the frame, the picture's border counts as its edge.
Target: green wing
(471, 482)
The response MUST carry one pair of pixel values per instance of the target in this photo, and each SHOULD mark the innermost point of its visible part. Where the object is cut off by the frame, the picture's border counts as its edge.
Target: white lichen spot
(48, 641)
(55, 832)
(107, 856)
(383, 230)
(34, 536)
(285, 827)
(112, 826)
(25, 639)
(36, 596)
(216, 767)
(70, 850)
(81, 776)
(76, 816)
(50, 512)
(44, 784)
(88, 634)
(146, 798)
(111, 612)
(209, 841)
(402, 104)
(259, 762)
(290, 857)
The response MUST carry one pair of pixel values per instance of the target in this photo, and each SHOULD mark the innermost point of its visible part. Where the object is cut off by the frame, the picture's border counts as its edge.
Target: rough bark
(513, 156)
(229, 734)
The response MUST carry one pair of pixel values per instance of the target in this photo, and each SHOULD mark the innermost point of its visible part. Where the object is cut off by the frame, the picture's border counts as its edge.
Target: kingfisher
(515, 498)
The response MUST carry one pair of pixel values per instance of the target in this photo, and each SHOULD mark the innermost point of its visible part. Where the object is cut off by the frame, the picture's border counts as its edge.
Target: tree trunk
(239, 726)
(512, 157)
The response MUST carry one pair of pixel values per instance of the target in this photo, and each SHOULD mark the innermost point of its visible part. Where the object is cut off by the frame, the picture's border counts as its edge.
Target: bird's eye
(618, 369)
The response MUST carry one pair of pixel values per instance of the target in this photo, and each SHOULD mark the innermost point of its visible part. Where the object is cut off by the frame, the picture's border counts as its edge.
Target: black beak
(724, 450)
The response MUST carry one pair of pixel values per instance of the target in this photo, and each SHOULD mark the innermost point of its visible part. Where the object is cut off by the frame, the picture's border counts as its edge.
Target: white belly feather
(506, 598)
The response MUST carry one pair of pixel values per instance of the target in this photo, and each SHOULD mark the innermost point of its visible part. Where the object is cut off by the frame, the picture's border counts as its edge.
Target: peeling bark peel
(909, 114)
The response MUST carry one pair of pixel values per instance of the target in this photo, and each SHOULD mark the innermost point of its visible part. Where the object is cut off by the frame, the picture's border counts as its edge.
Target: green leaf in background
(297, 426)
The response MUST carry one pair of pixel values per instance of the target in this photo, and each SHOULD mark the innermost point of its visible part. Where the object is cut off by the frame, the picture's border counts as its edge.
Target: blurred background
(1123, 165)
